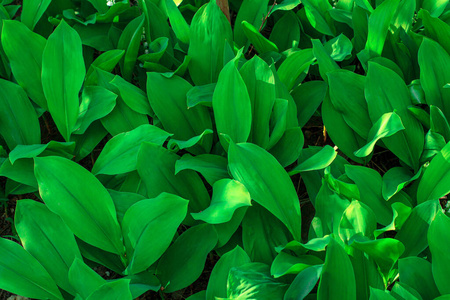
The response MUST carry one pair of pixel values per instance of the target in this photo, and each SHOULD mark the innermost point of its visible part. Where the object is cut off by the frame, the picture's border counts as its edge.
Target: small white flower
(110, 2)
(146, 51)
(145, 44)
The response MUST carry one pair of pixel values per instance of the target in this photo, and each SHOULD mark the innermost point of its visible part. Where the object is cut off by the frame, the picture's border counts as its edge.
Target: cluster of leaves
(203, 119)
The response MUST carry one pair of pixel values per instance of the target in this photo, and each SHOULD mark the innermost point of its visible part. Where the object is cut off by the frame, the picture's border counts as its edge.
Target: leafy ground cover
(161, 149)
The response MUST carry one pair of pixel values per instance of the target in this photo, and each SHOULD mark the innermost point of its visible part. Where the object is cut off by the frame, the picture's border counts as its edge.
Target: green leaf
(285, 264)
(438, 240)
(217, 284)
(404, 291)
(293, 67)
(395, 179)
(32, 11)
(252, 11)
(177, 22)
(339, 48)
(433, 74)
(19, 123)
(387, 125)
(228, 195)
(417, 272)
(326, 63)
(51, 148)
(359, 219)
(85, 143)
(319, 17)
(24, 50)
(436, 8)
(96, 103)
(133, 96)
(267, 182)
(262, 44)
(286, 32)
(434, 182)
(23, 274)
(200, 94)
(175, 145)
(308, 96)
(105, 61)
(232, 106)
(439, 123)
(209, 32)
(386, 92)
(347, 96)
(151, 222)
(156, 167)
(168, 100)
(129, 41)
(337, 280)
(88, 210)
(385, 252)
(436, 29)
(318, 161)
(260, 83)
(253, 281)
(83, 279)
(303, 283)
(212, 167)
(45, 236)
(184, 261)
(119, 289)
(289, 147)
(414, 230)
(63, 73)
(119, 155)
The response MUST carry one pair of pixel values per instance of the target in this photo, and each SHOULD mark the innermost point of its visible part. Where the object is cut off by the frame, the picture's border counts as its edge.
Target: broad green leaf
(96, 103)
(404, 15)
(19, 123)
(417, 272)
(315, 244)
(434, 182)
(156, 167)
(51, 148)
(110, 260)
(253, 281)
(253, 12)
(85, 143)
(308, 96)
(400, 213)
(199, 140)
(23, 274)
(63, 73)
(377, 294)
(119, 155)
(228, 195)
(318, 161)
(369, 183)
(119, 289)
(232, 106)
(129, 41)
(200, 94)
(387, 125)
(151, 222)
(395, 179)
(209, 32)
(436, 8)
(267, 182)
(339, 48)
(24, 50)
(436, 29)
(293, 67)
(156, 50)
(341, 185)
(20, 172)
(177, 22)
(357, 218)
(386, 92)
(385, 252)
(289, 147)
(143, 282)
(285, 264)
(326, 63)
(414, 230)
(217, 284)
(286, 32)
(379, 22)
(88, 210)
(32, 11)
(340, 132)
(212, 167)
(45, 236)
(262, 232)
(439, 123)
(438, 240)
(337, 280)
(347, 96)
(260, 83)
(278, 121)
(133, 96)
(404, 291)
(262, 44)
(185, 259)
(105, 61)
(168, 101)
(83, 279)
(319, 17)
(123, 201)
(303, 283)
(433, 74)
